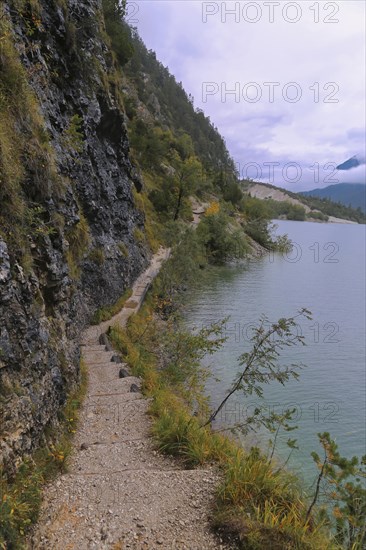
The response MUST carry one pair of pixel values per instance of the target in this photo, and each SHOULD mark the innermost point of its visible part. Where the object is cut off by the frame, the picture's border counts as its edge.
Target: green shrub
(232, 193)
(318, 216)
(296, 213)
(283, 244)
(118, 32)
(130, 106)
(221, 241)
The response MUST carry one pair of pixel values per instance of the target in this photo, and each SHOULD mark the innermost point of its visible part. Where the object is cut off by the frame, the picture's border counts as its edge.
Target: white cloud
(305, 52)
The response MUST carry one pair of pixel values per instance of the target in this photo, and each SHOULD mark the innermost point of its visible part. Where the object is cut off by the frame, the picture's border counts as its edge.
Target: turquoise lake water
(325, 272)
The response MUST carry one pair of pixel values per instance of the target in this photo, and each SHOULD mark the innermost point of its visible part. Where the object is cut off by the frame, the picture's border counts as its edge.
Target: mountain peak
(352, 162)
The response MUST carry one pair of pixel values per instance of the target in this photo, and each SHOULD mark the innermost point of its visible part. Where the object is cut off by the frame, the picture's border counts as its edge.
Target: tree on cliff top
(119, 33)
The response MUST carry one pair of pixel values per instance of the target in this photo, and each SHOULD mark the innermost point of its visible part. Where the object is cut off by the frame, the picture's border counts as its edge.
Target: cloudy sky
(296, 75)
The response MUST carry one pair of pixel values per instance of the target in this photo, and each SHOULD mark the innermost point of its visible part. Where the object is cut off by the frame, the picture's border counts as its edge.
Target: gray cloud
(323, 60)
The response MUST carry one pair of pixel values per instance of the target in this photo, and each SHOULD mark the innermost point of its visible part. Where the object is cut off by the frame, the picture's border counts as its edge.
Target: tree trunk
(179, 203)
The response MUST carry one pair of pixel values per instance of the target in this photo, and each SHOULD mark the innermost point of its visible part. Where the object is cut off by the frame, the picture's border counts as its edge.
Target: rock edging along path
(119, 492)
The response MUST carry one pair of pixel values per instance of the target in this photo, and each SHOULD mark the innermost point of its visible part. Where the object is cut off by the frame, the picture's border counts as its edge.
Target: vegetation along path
(118, 491)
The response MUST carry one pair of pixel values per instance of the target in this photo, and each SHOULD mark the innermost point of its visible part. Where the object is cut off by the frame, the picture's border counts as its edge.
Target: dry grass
(259, 506)
(26, 154)
(21, 496)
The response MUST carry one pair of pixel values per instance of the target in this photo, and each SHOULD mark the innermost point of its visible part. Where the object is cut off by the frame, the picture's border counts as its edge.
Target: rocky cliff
(70, 234)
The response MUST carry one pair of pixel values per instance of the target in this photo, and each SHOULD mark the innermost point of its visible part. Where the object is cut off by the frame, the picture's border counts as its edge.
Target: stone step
(96, 364)
(96, 353)
(98, 356)
(97, 468)
(107, 363)
(114, 396)
(106, 490)
(104, 372)
(109, 387)
(104, 418)
(93, 347)
(113, 387)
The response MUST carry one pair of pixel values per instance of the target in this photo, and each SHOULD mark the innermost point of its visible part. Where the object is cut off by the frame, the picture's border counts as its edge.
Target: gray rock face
(44, 309)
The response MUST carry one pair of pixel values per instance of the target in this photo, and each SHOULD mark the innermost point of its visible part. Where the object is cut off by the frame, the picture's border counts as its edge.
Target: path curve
(139, 289)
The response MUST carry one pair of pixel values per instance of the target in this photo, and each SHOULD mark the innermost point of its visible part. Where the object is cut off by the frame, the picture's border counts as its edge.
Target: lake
(325, 272)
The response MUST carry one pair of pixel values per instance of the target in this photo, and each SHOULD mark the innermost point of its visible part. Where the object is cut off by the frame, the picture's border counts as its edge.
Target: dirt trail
(139, 289)
(119, 492)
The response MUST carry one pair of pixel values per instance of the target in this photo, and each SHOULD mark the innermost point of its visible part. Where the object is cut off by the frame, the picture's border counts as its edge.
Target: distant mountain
(353, 194)
(353, 162)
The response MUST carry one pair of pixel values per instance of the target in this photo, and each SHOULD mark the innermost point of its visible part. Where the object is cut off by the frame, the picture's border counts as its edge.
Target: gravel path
(119, 492)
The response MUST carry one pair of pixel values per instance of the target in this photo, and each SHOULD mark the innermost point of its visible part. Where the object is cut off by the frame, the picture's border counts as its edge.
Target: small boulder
(134, 388)
(123, 373)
